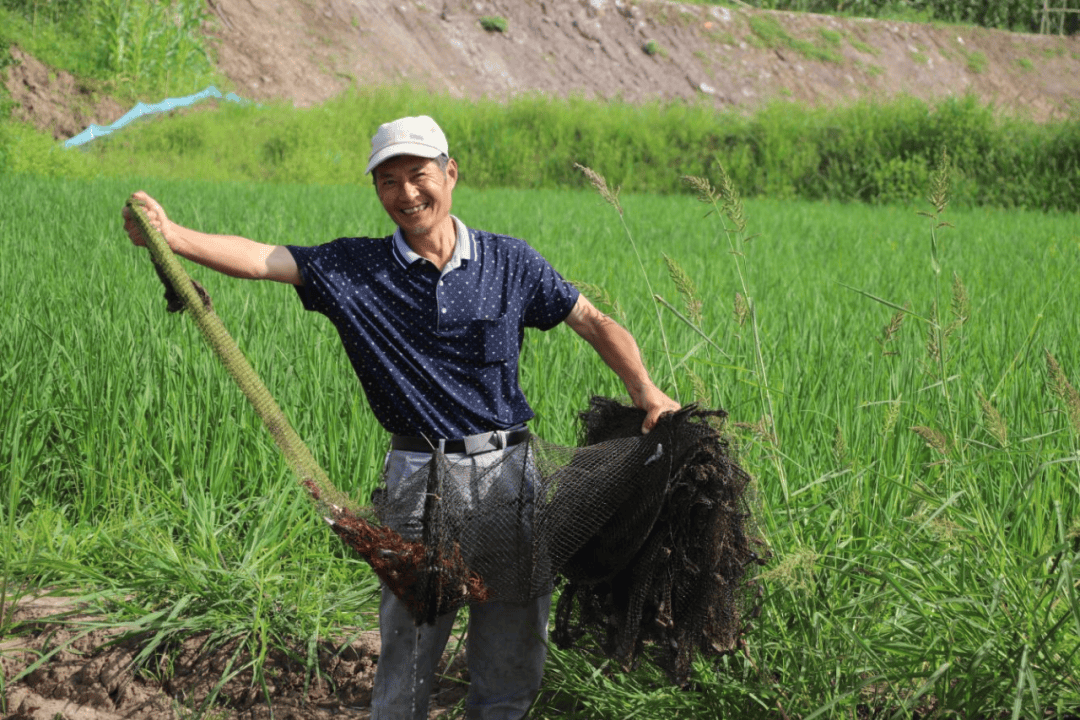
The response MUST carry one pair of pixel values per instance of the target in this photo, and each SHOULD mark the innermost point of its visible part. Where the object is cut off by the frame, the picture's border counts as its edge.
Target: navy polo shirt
(436, 352)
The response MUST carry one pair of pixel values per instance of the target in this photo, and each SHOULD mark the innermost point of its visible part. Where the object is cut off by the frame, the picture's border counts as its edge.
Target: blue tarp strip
(141, 109)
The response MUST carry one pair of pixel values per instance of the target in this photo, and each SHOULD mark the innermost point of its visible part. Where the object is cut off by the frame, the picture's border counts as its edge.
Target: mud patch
(91, 673)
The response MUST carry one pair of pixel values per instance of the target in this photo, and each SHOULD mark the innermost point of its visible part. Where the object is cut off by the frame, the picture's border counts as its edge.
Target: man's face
(415, 192)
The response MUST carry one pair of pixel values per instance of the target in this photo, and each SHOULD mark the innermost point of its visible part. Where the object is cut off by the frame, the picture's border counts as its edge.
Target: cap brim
(424, 151)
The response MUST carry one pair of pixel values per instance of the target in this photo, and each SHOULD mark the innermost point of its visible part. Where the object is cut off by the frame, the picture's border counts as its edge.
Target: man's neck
(436, 245)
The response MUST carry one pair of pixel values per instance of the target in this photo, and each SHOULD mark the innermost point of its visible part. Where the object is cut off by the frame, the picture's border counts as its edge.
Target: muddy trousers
(506, 646)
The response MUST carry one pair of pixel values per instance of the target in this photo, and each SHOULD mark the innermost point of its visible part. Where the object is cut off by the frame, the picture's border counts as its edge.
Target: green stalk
(303, 463)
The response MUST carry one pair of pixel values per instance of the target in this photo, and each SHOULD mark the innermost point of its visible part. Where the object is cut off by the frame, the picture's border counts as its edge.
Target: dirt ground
(91, 676)
(306, 51)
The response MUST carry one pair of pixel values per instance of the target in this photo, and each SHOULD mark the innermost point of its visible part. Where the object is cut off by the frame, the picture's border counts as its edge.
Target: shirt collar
(463, 249)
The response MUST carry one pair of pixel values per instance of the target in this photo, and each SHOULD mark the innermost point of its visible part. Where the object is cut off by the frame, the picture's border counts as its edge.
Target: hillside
(305, 51)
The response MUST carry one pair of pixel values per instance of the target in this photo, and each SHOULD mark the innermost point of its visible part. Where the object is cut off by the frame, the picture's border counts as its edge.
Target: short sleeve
(318, 266)
(553, 297)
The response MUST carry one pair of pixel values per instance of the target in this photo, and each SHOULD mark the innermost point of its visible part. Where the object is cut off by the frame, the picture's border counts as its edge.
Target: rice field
(918, 471)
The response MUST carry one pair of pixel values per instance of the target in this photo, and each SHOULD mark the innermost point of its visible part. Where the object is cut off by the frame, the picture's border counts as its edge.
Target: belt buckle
(478, 443)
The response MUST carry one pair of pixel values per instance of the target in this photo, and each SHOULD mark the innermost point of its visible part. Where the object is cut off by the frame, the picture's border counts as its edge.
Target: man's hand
(229, 254)
(618, 349)
(655, 403)
(154, 213)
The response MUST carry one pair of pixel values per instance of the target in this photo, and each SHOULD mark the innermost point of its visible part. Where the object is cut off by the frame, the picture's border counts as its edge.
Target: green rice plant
(611, 197)
(142, 480)
(727, 204)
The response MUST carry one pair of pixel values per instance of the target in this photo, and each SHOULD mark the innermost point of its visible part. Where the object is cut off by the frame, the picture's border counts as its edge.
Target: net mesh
(649, 537)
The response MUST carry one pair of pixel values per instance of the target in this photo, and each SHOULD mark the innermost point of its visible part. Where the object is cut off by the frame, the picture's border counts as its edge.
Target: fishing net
(649, 538)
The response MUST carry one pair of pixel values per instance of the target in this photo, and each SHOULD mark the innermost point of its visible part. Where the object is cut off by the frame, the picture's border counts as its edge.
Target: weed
(832, 37)
(722, 36)
(1025, 64)
(651, 48)
(768, 33)
(994, 422)
(611, 197)
(1064, 391)
(863, 47)
(494, 23)
(974, 60)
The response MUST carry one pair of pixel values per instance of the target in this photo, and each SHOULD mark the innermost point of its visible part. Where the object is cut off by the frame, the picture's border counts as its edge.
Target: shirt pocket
(480, 342)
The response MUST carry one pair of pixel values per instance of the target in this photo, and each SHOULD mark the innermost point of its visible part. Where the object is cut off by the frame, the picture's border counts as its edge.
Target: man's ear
(452, 172)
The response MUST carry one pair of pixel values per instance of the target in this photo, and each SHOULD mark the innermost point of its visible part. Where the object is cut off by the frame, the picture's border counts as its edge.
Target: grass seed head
(892, 414)
(600, 297)
(934, 438)
(1064, 390)
(933, 340)
(795, 570)
(726, 196)
(995, 424)
(888, 333)
(742, 309)
(961, 305)
(733, 207)
(840, 448)
(939, 182)
(701, 390)
(703, 188)
(686, 288)
(597, 181)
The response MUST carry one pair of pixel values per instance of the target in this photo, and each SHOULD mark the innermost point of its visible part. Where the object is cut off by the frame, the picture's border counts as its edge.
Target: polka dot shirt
(436, 352)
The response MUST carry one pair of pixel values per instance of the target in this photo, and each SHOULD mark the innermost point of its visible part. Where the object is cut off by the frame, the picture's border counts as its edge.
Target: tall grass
(869, 152)
(124, 46)
(904, 574)
(937, 582)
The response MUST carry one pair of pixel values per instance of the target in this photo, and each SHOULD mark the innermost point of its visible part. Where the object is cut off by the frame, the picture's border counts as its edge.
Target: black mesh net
(649, 537)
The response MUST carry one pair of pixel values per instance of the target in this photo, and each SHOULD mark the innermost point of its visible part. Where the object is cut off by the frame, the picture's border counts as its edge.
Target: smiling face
(415, 192)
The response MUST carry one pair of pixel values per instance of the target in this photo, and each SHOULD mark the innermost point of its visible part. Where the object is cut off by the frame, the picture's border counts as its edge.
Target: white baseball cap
(420, 136)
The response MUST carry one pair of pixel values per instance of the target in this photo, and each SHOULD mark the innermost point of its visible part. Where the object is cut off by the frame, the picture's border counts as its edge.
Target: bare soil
(307, 51)
(92, 674)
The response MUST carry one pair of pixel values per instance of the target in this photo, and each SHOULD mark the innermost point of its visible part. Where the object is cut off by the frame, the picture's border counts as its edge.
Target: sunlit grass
(133, 469)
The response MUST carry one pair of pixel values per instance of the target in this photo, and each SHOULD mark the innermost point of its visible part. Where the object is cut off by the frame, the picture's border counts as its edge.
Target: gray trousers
(506, 643)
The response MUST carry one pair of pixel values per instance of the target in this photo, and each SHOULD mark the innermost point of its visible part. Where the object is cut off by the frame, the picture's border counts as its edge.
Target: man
(432, 320)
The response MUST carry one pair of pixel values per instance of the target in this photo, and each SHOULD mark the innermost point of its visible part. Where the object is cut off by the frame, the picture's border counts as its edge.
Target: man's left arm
(617, 347)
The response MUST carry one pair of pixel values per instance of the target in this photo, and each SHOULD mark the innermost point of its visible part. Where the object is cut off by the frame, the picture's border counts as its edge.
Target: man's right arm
(229, 254)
